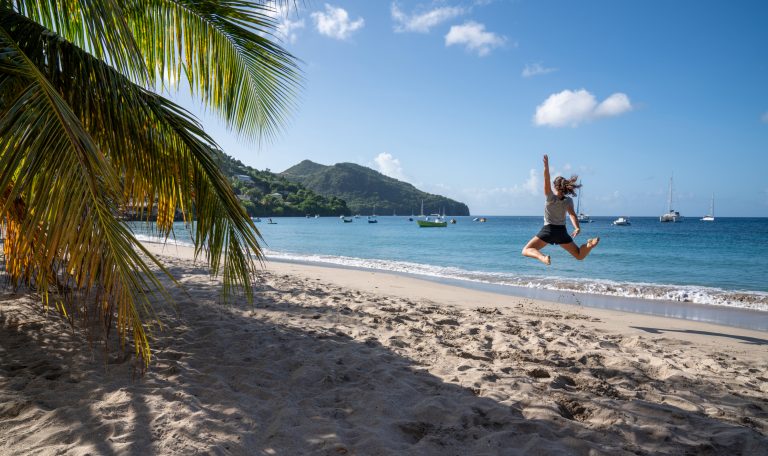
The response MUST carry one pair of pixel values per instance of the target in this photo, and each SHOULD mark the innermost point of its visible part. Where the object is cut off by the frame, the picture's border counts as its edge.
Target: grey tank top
(555, 209)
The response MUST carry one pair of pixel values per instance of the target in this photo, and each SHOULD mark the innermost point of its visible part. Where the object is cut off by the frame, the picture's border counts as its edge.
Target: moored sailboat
(582, 217)
(711, 216)
(671, 215)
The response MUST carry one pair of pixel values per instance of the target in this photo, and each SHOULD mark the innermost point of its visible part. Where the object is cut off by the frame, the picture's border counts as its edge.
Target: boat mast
(578, 202)
(669, 198)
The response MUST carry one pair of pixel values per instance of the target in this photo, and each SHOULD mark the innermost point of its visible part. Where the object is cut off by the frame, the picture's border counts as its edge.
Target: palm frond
(161, 152)
(82, 138)
(223, 50)
(59, 201)
(96, 26)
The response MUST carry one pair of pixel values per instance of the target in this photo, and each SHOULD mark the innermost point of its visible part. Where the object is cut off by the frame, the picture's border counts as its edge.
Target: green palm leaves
(82, 138)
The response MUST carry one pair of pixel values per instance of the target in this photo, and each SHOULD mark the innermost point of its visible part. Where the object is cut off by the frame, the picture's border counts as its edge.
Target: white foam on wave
(753, 300)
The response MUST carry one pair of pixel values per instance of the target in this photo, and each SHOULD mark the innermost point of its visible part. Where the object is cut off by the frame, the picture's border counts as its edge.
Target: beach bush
(86, 136)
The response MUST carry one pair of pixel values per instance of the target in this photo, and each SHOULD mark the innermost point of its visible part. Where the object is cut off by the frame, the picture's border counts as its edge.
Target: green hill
(266, 194)
(362, 188)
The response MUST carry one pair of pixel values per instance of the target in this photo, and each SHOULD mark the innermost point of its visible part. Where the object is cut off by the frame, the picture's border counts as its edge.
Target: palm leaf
(73, 119)
(59, 202)
(222, 49)
(96, 26)
(161, 152)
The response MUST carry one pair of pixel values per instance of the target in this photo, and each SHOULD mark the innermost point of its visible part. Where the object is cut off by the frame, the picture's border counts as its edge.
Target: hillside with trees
(266, 194)
(362, 188)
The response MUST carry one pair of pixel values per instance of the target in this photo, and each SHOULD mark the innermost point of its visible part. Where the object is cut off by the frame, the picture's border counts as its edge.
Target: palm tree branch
(49, 160)
(162, 154)
(97, 26)
(223, 50)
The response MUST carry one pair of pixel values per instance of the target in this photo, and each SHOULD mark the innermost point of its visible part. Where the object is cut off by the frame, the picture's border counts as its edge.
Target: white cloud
(286, 27)
(532, 185)
(536, 69)
(570, 108)
(615, 105)
(389, 166)
(474, 37)
(519, 198)
(764, 117)
(423, 22)
(335, 22)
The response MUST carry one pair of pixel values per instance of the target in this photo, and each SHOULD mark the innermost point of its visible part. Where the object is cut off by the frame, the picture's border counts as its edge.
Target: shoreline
(729, 316)
(388, 284)
(527, 280)
(756, 320)
(411, 286)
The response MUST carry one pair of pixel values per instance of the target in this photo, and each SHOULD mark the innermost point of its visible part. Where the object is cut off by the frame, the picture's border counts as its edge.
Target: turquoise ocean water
(724, 263)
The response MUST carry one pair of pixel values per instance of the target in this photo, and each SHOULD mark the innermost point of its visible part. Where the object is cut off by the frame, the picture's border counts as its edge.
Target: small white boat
(622, 221)
(256, 219)
(711, 216)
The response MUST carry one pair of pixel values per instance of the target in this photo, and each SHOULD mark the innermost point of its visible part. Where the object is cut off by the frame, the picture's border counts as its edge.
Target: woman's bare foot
(592, 243)
(546, 260)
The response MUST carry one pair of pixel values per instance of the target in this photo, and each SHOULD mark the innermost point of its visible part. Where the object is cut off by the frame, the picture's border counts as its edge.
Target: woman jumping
(554, 232)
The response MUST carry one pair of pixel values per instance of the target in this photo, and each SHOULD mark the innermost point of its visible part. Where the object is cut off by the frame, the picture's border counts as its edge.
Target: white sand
(334, 361)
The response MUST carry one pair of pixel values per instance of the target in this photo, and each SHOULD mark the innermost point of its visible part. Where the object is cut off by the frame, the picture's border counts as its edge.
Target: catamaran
(583, 218)
(671, 215)
(711, 216)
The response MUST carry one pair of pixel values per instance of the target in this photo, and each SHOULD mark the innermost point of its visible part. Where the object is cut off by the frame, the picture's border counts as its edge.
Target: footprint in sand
(447, 322)
(395, 341)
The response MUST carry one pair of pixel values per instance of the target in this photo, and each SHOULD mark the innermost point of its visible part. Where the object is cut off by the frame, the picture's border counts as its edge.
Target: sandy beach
(333, 361)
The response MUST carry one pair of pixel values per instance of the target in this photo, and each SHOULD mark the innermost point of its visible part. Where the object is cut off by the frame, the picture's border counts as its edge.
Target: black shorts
(554, 234)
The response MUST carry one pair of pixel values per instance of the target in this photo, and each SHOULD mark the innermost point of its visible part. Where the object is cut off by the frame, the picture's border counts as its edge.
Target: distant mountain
(266, 194)
(362, 188)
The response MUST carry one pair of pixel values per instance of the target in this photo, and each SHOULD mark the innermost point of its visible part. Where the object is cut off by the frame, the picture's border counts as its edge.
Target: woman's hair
(567, 186)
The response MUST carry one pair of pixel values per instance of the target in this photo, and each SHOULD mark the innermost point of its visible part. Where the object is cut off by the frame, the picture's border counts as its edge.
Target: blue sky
(462, 98)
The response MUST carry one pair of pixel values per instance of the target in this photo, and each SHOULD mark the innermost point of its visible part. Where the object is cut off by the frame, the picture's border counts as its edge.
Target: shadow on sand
(746, 339)
(239, 380)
